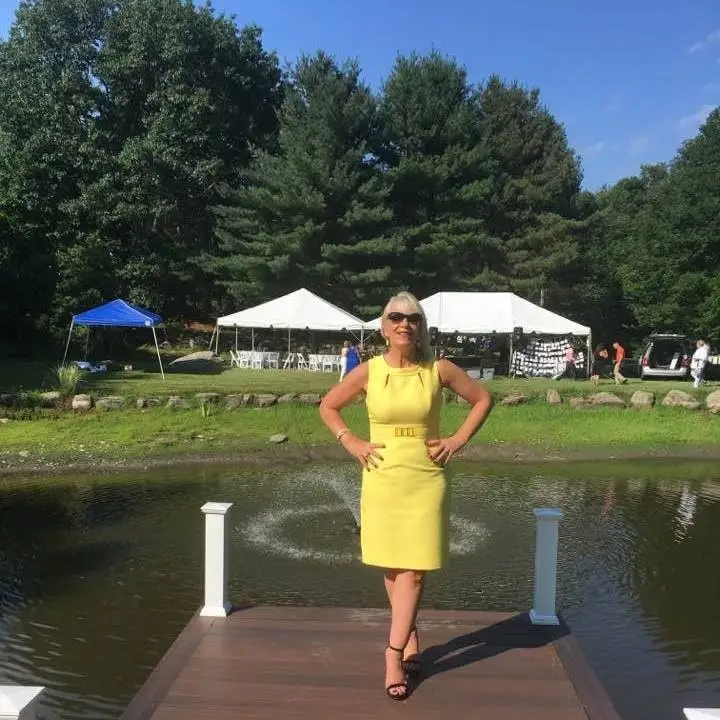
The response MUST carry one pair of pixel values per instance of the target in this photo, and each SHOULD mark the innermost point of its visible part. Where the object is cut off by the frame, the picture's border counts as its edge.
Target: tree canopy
(155, 150)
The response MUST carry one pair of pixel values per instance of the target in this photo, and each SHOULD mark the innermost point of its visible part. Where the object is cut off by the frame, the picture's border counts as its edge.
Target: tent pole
(236, 347)
(87, 343)
(212, 337)
(289, 331)
(510, 361)
(252, 339)
(588, 362)
(67, 344)
(217, 339)
(157, 347)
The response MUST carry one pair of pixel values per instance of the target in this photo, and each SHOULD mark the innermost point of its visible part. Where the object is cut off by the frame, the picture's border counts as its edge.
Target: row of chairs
(254, 359)
(260, 360)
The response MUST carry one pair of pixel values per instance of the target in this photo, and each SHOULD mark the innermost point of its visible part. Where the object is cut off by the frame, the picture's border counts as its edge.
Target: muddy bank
(270, 455)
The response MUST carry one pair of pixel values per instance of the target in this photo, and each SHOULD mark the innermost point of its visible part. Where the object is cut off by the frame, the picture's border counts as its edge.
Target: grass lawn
(536, 429)
(39, 438)
(38, 376)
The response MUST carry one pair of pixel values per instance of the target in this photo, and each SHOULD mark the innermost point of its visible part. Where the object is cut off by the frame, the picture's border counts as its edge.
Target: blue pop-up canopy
(118, 313)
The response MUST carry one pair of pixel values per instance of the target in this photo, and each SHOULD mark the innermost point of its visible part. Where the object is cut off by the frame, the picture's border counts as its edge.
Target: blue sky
(629, 80)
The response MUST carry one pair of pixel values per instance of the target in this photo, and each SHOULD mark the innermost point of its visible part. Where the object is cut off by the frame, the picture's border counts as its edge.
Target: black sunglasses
(398, 317)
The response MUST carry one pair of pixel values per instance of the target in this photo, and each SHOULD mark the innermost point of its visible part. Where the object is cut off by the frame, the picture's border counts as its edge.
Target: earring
(387, 343)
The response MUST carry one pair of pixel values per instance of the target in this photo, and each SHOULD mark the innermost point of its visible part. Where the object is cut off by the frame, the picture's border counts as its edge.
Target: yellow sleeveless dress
(404, 502)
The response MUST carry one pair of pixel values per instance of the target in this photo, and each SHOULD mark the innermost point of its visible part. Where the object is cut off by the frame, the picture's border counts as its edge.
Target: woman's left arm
(480, 401)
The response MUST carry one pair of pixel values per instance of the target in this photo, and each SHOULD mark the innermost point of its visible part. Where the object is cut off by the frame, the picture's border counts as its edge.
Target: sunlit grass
(136, 434)
(33, 376)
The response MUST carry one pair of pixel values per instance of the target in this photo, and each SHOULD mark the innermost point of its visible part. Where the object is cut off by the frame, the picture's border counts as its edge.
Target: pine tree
(532, 212)
(438, 176)
(312, 213)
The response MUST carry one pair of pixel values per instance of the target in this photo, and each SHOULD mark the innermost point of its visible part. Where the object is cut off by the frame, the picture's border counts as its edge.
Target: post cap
(216, 508)
(15, 698)
(548, 513)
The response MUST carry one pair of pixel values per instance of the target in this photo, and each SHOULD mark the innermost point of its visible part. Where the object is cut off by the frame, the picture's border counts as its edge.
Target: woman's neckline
(412, 368)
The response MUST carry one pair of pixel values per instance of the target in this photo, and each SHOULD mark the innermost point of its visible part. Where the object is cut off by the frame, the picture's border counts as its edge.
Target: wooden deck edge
(590, 691)
(156, 687)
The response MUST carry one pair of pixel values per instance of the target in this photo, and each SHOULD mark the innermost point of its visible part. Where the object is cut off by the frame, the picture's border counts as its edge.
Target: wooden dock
(300, 663)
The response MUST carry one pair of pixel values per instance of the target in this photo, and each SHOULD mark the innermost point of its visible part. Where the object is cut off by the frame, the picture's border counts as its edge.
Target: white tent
(298, 310)
(487, 313)
(493, 313)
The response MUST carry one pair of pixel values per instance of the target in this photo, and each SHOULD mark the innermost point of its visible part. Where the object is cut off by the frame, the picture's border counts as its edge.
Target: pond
(98, 576)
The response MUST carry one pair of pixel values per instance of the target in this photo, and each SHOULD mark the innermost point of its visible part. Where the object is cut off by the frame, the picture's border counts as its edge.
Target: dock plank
(300, 663)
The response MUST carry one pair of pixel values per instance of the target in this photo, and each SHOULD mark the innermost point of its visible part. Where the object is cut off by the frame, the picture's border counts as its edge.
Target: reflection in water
(685, 514)
(113, 570)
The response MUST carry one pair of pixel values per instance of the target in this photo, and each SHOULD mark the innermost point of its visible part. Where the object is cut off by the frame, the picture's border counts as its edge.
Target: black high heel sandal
(412, 665)
(395, 686)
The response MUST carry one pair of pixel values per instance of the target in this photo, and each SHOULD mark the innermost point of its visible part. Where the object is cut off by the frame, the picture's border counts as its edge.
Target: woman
(600, 354)
(343, 360)
(404, 503)
(352, 359)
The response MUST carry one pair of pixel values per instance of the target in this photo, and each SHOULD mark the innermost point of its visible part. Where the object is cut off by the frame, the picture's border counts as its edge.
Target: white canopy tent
(298, 310)
(493, 313)
(487, 313)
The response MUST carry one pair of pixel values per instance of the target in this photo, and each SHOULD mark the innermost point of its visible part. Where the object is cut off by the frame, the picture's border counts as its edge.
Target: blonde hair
(409, 302)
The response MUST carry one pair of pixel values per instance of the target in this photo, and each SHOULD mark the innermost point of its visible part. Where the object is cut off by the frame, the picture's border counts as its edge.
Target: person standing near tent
(698, 362)
(617, 363)
(353, 358)
(599, 355)
(349, 359)
(343, 360)
(404, 502)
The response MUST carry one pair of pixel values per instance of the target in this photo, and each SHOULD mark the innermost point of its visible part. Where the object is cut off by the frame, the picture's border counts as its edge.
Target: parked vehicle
(666, 356)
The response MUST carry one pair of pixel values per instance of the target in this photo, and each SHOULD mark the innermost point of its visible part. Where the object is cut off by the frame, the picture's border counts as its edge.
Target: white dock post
(217, 546)
(18, 702)
(702, 713)
(546, 552)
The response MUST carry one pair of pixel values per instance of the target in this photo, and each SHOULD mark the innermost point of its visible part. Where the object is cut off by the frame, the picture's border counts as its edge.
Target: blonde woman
(404, 501)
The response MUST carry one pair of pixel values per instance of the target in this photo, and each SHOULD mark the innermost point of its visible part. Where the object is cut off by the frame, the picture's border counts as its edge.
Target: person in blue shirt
(352, 359)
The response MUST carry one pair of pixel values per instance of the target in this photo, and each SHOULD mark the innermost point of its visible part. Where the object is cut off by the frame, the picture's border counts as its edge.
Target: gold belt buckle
(405, 432)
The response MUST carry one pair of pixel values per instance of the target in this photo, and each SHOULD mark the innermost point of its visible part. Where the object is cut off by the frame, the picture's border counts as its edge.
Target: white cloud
(694, 121)
(595, 149)
(638, 144)
(711, 39)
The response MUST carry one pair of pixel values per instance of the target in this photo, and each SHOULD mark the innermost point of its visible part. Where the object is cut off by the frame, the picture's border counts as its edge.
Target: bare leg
(412, 648)
(404, 588)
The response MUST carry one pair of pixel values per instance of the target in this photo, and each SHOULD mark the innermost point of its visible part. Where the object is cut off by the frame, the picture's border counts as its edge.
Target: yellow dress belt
(381, 433)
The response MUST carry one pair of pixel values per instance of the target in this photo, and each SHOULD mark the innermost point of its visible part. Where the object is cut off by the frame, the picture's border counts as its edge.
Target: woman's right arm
(338, 397)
